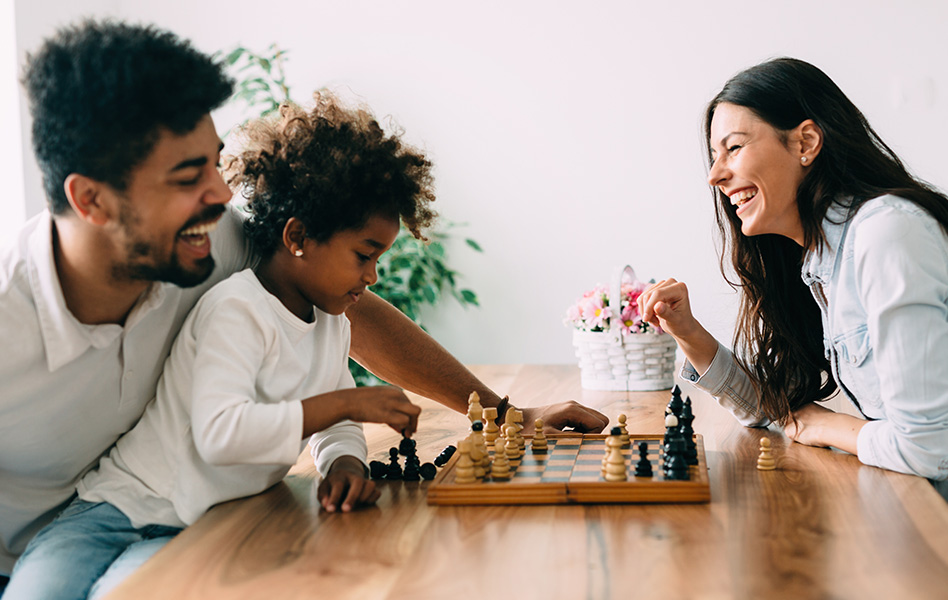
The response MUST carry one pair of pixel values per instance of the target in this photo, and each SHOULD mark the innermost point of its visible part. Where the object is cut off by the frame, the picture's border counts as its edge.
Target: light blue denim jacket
(881, 282)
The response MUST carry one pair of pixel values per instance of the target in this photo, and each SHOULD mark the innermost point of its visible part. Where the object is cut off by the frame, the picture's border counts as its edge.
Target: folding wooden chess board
(570, 472)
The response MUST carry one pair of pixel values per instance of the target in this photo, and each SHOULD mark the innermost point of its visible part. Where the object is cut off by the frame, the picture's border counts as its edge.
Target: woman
(842, 260)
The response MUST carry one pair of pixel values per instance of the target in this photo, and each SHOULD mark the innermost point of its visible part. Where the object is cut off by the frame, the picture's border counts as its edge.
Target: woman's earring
(297, 252)
(803, 159)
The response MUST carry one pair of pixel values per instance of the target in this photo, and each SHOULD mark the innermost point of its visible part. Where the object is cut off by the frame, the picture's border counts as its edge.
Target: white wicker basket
(635, 362)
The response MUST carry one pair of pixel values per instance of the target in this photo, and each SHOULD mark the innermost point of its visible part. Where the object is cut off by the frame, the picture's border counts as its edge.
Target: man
(94, 290)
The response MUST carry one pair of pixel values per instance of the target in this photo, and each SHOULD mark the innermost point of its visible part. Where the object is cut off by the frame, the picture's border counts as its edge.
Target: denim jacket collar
(819, 264)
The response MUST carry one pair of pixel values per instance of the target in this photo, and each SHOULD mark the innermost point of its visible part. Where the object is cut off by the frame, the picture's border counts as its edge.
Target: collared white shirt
(76, 388)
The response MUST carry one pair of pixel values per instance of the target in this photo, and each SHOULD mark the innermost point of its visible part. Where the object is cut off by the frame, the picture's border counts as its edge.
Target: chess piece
(478, 449)
(514, 419)
(377, 469)
(512, 447)
(500, 468)
(539, 444)
(674, 405)
(671, 428)
(428, 471)
(412, 469)
(445, 456)
(615, 461)
(675, 466)
(464, 472)
(766, 462)
(490, 424)
(475, 412)
(626, 440)
(643, 468)
(394, 470)
(688, 433)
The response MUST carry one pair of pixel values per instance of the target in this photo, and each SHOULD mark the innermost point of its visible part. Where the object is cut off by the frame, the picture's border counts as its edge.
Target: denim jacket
(881, 282)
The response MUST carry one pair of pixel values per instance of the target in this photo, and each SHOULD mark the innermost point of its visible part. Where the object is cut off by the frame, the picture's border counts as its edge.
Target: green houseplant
(413, 273)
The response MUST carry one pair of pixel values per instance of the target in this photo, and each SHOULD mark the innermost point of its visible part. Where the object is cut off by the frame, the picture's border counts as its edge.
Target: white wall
(569, 138)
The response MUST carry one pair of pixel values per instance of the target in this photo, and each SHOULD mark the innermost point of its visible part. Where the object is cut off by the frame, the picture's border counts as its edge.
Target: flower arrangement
(594, 311)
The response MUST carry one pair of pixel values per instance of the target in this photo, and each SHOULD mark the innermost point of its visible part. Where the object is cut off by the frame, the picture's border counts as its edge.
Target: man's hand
(565, 414)
(345, 486)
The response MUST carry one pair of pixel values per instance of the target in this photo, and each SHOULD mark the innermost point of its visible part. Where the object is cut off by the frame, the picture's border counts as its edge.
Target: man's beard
(169, 271)
(141, 263)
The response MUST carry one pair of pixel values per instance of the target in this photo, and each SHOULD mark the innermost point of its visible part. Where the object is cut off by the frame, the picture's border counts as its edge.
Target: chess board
(570, 472)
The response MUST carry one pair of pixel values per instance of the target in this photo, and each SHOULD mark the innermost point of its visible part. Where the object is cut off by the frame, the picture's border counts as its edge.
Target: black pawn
(394, 470)
(672, 427)
(643, 468)
(445, 456)
(688, 433)
(412, 470)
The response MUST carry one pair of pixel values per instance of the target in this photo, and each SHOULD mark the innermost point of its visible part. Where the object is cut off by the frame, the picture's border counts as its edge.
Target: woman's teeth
(742, 197)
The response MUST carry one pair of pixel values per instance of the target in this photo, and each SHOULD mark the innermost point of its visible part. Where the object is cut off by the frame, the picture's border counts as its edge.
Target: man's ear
(294, 235)
(85, 196)
(808, 141)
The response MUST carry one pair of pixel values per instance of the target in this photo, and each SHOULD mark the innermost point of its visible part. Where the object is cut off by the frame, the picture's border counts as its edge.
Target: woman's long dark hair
(779, 331)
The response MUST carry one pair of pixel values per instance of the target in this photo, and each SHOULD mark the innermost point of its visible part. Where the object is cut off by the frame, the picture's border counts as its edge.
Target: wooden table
(821, 526)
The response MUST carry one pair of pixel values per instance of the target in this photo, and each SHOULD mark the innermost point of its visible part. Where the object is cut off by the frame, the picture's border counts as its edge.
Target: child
(261, 363)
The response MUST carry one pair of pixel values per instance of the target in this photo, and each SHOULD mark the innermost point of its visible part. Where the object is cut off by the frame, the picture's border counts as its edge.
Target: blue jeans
(88, 550)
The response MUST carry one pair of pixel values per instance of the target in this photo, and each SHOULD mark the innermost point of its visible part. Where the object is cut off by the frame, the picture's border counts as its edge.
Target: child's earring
(298, 252)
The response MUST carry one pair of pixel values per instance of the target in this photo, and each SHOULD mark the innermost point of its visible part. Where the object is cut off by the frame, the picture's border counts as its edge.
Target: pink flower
(595, 313)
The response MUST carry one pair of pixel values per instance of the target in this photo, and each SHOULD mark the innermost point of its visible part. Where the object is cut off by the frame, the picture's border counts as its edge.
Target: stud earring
(803, 159)
(297, 252)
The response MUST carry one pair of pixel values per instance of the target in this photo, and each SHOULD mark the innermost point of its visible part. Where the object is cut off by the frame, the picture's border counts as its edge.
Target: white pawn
(512, 448)
(766, 462)
(626, 439)
(500, 468)
(464, 471)
(539, 439)
(615, 461)
(478, 453)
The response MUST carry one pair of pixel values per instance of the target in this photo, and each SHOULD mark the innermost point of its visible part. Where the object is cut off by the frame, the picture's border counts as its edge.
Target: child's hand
(383, 404)
(345, 486)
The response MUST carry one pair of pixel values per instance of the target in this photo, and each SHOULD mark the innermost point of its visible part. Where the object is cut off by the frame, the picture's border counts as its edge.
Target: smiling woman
(839, 254)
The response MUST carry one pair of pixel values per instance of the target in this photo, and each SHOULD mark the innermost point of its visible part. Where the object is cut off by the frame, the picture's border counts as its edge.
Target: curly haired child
(261, 363)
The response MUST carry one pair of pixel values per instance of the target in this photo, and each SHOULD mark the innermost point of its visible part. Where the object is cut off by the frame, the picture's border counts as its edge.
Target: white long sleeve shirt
(227, 421)
(69, 390)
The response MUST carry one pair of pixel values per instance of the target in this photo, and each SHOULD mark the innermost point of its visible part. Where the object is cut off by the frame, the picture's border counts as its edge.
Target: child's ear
(86, 197)
(294, 234)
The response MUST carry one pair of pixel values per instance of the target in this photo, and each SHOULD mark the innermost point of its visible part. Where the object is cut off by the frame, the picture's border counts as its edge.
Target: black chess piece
(406, 447)
(675, 404)
(428, 471)
(643, 468)
(675, 467)
(672, 427)
(393, 470)
(688, 433)
(445, 456)
(377, 469)
(412, 469)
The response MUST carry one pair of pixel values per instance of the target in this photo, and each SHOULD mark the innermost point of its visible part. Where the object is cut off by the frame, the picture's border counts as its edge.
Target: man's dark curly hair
(101, 92)
(332, 167)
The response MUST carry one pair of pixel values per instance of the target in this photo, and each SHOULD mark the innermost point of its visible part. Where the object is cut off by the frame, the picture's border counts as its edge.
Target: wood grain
(822, 525)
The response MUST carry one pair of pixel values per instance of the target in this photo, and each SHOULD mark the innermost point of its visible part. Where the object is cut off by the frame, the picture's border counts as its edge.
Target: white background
(567, 138)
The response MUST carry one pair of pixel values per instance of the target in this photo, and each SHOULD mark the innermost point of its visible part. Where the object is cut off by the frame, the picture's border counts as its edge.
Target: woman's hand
(665, 304)
(815, 425)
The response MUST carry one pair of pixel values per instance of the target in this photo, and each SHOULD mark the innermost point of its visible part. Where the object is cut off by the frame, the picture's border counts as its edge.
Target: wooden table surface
(821, 526)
